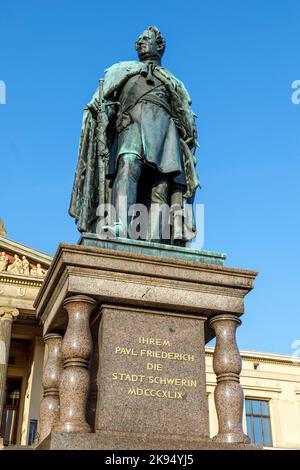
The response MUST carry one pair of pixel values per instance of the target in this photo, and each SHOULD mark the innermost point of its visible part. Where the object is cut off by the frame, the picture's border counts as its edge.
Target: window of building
(258, 422)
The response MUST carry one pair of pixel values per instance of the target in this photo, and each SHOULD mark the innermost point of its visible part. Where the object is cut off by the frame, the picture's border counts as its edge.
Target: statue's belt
(149, 98)
(124, 118)
(155, 100)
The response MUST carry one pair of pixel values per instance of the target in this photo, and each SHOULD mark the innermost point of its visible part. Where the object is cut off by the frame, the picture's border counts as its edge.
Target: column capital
(8, 313)
(225, 316)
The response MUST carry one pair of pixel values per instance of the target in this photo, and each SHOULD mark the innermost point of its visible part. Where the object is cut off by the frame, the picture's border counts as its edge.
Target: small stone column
(227, 365)
(76, 349)
(49, 409)
(7, 315)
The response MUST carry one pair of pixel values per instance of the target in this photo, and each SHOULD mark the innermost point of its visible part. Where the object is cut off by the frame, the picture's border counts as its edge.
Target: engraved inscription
(139, 384)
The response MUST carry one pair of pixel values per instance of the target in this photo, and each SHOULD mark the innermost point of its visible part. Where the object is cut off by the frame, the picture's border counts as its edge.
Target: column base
(232, 438)
(72, 428)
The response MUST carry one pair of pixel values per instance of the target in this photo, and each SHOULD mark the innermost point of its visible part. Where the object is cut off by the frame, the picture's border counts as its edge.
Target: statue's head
(150, 44)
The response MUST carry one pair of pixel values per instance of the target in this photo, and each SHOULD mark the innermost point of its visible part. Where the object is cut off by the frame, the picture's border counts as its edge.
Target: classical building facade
(271, 382)
(21, 346)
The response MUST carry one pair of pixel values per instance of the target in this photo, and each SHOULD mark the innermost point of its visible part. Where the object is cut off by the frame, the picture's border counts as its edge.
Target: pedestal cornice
(145, 280)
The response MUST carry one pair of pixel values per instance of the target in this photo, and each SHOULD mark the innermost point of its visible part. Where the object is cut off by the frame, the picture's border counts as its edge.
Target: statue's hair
(159, 38)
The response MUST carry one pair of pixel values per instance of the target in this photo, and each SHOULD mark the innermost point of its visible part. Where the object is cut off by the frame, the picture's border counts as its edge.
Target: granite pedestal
(133, 328)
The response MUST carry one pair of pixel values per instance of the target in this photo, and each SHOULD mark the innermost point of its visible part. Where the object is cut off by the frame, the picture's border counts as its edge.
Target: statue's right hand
(97, 104)
(94, 106)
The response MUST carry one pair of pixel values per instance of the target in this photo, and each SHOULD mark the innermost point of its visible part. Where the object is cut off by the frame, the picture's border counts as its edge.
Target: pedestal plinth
(149, 321)
(151, 373)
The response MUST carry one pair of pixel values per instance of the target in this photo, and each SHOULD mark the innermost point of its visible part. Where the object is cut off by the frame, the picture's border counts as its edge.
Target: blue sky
(237, 59)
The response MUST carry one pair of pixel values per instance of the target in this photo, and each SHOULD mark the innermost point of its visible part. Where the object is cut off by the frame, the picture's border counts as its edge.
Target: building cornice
(262, 357)
(20, 280)
(16, 247)
(261, 388)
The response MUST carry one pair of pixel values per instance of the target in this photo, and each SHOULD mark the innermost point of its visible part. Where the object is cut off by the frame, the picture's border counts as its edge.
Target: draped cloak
(97, 147)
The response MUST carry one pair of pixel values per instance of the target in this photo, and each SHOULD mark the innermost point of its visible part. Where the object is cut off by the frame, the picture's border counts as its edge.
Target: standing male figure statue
(137, 146)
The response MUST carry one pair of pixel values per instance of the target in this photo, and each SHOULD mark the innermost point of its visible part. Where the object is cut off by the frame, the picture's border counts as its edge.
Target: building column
(276, 425)
(49, 408)
(227, 365)
(7, 315)
(75, 379)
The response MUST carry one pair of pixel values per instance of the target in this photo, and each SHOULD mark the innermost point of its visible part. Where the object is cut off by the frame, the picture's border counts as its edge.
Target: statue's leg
(124, 192)
(159, 213)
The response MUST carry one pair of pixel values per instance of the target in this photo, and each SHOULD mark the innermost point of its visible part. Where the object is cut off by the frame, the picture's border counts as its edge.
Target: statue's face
(147, 46)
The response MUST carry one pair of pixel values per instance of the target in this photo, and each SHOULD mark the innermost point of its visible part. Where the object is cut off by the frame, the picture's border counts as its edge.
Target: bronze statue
(137, 146)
